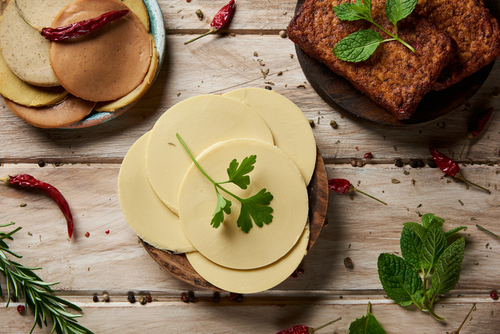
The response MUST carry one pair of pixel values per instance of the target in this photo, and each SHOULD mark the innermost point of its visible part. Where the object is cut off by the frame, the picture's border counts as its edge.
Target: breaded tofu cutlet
(470, 24)
(394, 76)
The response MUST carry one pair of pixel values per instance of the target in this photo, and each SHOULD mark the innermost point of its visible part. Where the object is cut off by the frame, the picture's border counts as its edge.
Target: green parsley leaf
(237, 174)
(358, 46)
(223, 205)
(433, 246)
(396, 10)
(410, 244)
(257, 208)
(367, 324)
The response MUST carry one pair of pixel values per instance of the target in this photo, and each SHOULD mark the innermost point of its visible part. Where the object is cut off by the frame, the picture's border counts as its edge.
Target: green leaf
(358, 46)
(223, 205)
(453, 231)
(354, 11)
(400, 280)
(396, 10)
(428, 218)
(447, 271)
(367, 324)
(418, 229)
(410, 244)
(237, 175)
(257, 208)
(433, 246)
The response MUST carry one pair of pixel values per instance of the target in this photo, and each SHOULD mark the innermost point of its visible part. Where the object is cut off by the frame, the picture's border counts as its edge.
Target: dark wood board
(179, 266)
(340, 94)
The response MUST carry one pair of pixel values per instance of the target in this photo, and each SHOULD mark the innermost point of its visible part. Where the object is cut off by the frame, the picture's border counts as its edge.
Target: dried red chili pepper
(220, 21)
(450, 167)
(28, 181)
(76, 29)
(301, 329)
(343, 186)
(476, 126)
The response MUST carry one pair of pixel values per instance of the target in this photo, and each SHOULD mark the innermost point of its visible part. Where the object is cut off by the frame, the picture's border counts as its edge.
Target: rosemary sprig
(22, 281)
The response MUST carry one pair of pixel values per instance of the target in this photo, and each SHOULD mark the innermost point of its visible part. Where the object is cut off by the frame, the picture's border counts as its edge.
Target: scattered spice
(451, 168)
(216, 296)
(87, 234)
(184, 297)
(255, 54)
(107, 231)
(279, 73)
(295, 274)
(476, 126)
(494, 295)
(300, 271)
(360, 163)
(131, 297)
(238, 297)
(343, 186)
(461, 203)
(105, 297)
(21, 309)
(95, 299)
(41, 163)
(399, 163)
(283, 34)
(268, 87)
(28, 181)
(311, 123)
(395, 181)
(485, 230)
(368, 156)
(199, 13)
(301, 329)
(348, 262)
(143, 300)
(190, 296)
(431, 163)
(334, 124)
(22, 205)
(148, 297)
(264, 73)
(301, 86)
(220, 21)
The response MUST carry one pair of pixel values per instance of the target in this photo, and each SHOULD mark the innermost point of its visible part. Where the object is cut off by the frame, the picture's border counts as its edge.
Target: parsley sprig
(426, 249)
(22, 281)
(254, 208)
(360, 45)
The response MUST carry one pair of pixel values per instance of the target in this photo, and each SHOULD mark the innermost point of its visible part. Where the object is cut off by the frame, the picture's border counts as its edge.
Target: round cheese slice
(290, 128)
(228, 245)
(145, 213)
(252, 280)
(109, 62)
(139, 8)
(25, 50)
(70, 111)
(201, 121)
(19, 91)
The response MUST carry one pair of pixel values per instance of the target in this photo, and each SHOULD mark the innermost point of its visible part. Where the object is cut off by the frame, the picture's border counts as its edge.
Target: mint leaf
(223, 205)
(447, 271)
(400, 280)
(354, 11)
(433, 246)
(396, 10)
(367, 324)
(237, 175)
(453, 231)
(358, 46)
(428, 218)
(410, 244)
(418, 229)
(257, 208)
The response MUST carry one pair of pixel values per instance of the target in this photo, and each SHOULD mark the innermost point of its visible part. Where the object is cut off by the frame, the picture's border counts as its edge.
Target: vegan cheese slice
(146, 214)
(290, 128)
(201, 121)
(253, 280)
(227, 245)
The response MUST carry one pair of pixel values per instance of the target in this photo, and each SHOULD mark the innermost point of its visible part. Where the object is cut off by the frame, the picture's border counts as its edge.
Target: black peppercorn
(399, 163)
(239, 298)
(190, 296)
(348, 262)
(131, 297)
(413, 163)
(216, 297)
(431, 163)
(41, 163)
(95, 299)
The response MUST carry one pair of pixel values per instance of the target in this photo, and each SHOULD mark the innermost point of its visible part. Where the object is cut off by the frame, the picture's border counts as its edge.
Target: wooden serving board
(179, 266)
(340, 94)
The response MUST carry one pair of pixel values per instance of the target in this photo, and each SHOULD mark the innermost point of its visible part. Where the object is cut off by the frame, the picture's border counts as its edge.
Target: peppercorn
(87, 234)
(190, 296)
(420, 163)
(494, 295)
(239, 298)
(131, 297)
(300, 270)
(216, 297)
(105, 297)
(399, 163)
(368, 156)
(413, 163)
(334, 124)
(348, 262)
(41, 163)
(148, 298)
(184, 297)
(268, 87)
(232, 296)
(353, 163)
(143, 300)
(431, 163)
(21, 309)
(283, 34)
(95, 299)
(359, 163)
(294, 274)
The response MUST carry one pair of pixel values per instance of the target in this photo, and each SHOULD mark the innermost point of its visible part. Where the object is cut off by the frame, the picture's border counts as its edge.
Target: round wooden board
(179, 266)
(340, 94)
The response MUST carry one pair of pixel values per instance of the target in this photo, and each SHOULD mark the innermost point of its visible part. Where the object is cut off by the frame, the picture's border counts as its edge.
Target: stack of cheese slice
(55, 84)
(169, 203)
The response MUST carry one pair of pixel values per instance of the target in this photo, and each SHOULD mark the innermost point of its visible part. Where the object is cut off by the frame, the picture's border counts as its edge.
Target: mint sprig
(254, 208)
(360, 45)
(367, 324)
(429, 266)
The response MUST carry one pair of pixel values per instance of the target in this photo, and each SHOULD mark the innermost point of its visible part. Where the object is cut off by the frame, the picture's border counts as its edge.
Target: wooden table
(84, 165)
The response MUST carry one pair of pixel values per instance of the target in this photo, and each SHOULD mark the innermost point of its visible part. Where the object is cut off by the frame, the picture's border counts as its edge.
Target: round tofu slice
(290, 128)
(201, 121)
(252, 280)
(228, 245)
(109, 62)
(41, 13)
(25, 50)
(19, 91)
(145, 213)
(71, 110)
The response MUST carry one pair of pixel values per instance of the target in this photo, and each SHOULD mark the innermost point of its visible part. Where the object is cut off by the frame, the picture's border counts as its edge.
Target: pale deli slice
(252, 280)
(290, 128)
(201, 121)
(145, 213)
(228, 245)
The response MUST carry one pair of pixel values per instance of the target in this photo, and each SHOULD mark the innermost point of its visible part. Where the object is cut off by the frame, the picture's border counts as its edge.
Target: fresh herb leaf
(354, 11)
(400, 280)
(255, 207)
(410, 244)
(428, 218)
(453, 231)
(358, 46)
(433, 246)
(418, 229)
(367, 324)
(396, 10)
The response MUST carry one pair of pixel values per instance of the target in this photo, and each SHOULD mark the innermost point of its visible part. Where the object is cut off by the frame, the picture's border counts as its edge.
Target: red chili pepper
(220, 21)
(28, 181)
(301, 329)
(343, 186)
(450, 167)
(476, 126)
